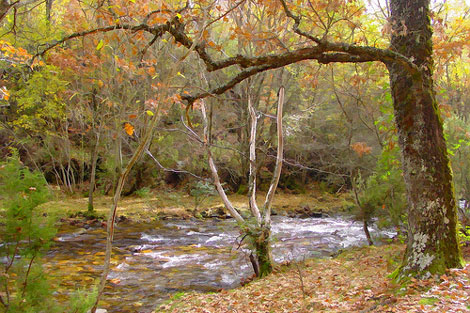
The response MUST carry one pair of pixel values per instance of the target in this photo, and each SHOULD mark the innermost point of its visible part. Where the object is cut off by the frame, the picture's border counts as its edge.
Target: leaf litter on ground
(354, 281)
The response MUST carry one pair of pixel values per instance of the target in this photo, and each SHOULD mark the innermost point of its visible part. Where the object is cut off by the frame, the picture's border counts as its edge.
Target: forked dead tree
(257, 228)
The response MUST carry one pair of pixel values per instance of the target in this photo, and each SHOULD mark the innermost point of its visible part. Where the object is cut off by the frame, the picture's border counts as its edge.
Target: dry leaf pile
(355, 281)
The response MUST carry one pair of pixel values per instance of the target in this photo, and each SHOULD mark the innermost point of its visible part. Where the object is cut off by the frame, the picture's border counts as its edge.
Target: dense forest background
(79, 113)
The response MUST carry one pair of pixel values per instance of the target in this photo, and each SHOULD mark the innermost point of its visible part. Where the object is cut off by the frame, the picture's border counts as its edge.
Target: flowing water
(151, 261)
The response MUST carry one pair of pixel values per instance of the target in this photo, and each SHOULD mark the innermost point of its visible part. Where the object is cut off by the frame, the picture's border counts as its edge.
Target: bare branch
(166, 169)
(147, 46)
(6, 6)
(297, 24)
(181, 10)
(113, 211)
(280, 155)
(215, 175)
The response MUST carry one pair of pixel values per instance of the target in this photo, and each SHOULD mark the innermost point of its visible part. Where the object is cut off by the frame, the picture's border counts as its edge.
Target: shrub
(200, 191)
(143, 192)
(382, 194)
(26, 236)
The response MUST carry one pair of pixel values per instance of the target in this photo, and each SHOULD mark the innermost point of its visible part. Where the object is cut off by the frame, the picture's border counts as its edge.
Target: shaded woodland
(366, 100)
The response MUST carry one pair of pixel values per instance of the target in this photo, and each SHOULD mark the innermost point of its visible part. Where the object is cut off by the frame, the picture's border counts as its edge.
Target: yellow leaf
(149, 113)
(129, 129)
(99, 45)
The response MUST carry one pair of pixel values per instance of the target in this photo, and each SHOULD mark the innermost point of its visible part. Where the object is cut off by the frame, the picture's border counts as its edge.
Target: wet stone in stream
(152, 261)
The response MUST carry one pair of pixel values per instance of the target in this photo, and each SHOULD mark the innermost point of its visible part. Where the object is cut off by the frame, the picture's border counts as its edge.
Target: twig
(173, 170)
(302, 286)
(25, 284)
(297, 24)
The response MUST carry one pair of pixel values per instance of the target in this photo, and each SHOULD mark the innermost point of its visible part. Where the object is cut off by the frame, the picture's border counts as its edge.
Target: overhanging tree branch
(156, 30)
(264, 63)
(323, 51)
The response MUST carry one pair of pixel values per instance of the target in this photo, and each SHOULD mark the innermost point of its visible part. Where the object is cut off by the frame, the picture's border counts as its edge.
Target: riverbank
(354, 281)
(169, 204)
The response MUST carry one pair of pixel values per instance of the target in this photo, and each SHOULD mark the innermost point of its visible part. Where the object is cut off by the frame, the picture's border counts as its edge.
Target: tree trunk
(258, 230)
(94, 159)
(48, 10)
(365, 226)
(432, 243)
(141, 148)
(262, 250)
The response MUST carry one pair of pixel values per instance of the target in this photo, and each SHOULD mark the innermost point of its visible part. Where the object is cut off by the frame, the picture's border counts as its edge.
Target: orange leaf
(129, 129)
(361, 148)
(4, 93)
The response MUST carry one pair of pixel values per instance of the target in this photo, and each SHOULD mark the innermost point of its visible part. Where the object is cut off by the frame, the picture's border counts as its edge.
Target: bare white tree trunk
(279, 158)
(252, 176)
(260, 233)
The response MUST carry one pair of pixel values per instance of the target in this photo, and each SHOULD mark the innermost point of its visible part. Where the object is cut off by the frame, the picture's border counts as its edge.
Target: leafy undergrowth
(355, 281)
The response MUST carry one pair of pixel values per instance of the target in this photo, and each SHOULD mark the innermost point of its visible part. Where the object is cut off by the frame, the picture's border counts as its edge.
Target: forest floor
(354, 281)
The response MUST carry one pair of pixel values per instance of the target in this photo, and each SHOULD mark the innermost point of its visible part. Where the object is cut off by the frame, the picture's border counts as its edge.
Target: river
(153, 260)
